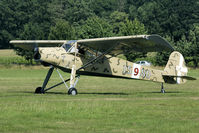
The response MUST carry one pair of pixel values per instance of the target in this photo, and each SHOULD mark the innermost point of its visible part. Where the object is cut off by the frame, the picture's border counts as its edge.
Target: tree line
(177, 21)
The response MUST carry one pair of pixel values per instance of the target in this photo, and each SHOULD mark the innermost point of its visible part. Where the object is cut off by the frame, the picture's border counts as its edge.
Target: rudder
(175, 70)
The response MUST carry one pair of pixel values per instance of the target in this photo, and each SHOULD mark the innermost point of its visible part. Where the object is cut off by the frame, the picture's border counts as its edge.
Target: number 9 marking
(136, 71)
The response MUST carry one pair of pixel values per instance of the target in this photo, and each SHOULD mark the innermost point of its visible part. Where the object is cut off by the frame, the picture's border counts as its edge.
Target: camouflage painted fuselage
(107, 65)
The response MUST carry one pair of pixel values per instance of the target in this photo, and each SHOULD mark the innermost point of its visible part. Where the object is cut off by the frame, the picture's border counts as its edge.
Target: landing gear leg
(73, 81)
(73, 90)
(40, 90)
(162, 89)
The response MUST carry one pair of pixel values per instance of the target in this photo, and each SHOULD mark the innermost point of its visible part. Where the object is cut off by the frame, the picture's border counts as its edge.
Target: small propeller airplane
(98, 57)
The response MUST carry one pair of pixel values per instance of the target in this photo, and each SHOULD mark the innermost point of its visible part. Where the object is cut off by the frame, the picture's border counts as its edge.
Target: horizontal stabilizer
(183, 77)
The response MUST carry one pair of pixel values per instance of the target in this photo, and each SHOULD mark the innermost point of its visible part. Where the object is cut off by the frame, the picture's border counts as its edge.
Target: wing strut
(95, 59)
(62, 79)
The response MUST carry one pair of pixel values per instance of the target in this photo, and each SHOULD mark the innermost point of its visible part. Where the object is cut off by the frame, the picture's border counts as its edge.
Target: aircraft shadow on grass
(108, 93)
(85, 93)
(105, 93)
(166, 92)
(92, 93)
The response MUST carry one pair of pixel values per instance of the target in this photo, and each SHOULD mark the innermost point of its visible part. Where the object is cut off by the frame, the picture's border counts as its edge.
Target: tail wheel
(72, 91)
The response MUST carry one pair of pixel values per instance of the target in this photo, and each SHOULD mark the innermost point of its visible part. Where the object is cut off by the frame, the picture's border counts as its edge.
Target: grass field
(102, 105)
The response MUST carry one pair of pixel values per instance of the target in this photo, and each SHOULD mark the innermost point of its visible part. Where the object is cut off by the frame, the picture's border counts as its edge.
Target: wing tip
(162, 41)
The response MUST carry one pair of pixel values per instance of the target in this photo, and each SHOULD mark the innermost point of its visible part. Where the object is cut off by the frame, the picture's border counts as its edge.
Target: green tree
(95, 27)
(32, 31)
(161, 58)
(10, 21)
(194, 49)
(16, 13)
(117, 20)
(103, 8)
(132, 12)
(62, 31)
(133, 28)
(189, 46)
(73, 11)
(172, 18)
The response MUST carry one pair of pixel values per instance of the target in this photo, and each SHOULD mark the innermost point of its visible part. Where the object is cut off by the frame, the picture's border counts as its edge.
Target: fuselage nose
(37, 55)
(50, 55)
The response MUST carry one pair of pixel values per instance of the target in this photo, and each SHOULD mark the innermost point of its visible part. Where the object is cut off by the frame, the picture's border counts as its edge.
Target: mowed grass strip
(102, 105)
(9, 57)
(8, 53)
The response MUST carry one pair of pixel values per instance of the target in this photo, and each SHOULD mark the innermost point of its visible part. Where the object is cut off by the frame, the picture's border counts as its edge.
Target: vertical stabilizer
(175, 69)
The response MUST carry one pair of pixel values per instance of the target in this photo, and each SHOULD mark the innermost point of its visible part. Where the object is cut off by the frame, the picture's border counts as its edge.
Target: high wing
(139, 43)
(31, 44)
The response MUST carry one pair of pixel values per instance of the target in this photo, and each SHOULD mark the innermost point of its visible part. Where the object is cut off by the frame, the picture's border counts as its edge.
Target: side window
(82, 51)
(89, 55)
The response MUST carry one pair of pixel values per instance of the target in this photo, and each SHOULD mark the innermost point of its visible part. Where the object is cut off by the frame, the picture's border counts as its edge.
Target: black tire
(72, 91)
(39, 90)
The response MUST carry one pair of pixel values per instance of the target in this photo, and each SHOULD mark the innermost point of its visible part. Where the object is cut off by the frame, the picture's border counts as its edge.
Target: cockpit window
(86, 53)
(66, 47)
(69, 47)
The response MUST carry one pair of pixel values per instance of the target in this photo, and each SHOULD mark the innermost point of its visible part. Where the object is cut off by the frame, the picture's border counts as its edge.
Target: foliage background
(177, 21)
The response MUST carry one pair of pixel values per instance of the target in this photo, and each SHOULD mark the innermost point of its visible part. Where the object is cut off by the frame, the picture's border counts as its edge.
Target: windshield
(66, 47)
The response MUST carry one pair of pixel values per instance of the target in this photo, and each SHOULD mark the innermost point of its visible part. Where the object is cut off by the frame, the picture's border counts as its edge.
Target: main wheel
(72, 91)
(39, 90)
